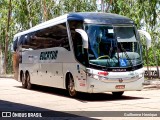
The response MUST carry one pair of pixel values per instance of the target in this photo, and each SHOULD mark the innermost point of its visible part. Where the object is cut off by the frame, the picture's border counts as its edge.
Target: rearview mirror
(84, 37)
(148, 37)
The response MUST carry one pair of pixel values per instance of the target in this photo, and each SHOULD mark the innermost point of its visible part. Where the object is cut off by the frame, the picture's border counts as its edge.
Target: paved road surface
(14, 98)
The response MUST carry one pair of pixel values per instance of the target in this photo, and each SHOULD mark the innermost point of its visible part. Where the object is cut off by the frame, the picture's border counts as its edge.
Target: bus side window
(54, 36)
(78, 48)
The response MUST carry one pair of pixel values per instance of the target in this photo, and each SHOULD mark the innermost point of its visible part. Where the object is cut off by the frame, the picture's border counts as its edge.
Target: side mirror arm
(84, 37)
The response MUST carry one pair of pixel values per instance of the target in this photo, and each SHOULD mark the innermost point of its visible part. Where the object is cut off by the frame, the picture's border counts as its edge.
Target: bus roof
(100, 18)
(87, 17)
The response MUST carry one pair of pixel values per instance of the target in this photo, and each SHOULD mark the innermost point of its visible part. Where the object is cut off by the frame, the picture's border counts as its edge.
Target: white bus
(81, 52)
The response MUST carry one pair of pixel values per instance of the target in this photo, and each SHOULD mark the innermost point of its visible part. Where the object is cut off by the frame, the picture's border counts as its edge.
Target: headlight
(101, 75)
(141, 75)
(95, 77)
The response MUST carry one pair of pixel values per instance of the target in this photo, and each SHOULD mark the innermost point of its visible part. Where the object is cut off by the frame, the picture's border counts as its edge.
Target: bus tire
(117, 94)
(29, 85)
(71, 86)
(24, 82)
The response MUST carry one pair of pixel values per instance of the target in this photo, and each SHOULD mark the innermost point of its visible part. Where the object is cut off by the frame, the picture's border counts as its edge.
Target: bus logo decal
(48, 55)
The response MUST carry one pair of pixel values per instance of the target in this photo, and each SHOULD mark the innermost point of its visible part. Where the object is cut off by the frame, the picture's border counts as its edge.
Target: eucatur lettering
(48, 55)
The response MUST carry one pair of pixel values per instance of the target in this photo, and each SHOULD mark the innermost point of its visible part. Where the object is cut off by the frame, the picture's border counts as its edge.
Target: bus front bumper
(98, 86)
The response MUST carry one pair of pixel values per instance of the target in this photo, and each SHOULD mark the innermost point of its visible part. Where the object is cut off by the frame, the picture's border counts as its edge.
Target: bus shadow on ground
(83, 97)
(18, 111)
(104, 97)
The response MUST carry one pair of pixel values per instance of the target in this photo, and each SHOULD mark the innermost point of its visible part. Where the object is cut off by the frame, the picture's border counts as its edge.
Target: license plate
(120, 86)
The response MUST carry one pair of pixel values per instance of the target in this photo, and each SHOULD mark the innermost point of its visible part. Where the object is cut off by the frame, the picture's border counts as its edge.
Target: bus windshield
(113, 46)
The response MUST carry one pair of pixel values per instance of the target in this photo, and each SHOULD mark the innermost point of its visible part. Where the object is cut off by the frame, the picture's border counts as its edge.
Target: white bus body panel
(46, 72)
(52, 73)
(79, 76)
(109, 85)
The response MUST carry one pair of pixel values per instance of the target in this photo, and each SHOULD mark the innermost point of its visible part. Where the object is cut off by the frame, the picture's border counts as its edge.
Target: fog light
(96, 77)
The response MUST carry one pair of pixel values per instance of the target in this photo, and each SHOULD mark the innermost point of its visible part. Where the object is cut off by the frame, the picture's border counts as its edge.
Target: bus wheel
(71, 87)
(29, 85)
(117, 94)
(24, 83)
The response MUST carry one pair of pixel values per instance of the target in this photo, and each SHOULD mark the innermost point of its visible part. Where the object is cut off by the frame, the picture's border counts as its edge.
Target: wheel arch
(21, 73)
(67, 78)
(27, 72)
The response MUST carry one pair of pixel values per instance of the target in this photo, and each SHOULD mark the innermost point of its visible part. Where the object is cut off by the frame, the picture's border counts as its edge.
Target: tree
(7, 37)
(144, 13)
(28, 13)
(109, 4)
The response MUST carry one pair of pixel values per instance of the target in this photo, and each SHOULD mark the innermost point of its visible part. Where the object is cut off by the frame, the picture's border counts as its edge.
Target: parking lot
(56, 102)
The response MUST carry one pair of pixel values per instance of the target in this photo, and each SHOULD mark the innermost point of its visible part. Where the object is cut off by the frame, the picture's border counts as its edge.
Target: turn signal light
(103, 73)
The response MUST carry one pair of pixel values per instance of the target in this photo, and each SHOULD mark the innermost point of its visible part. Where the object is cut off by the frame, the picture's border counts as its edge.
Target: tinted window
(77, 40)
(55, 36)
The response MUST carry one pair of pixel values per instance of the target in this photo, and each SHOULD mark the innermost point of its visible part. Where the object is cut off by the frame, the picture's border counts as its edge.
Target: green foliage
(145, 13)
(3, 17)
(78, 6)
(28, 13)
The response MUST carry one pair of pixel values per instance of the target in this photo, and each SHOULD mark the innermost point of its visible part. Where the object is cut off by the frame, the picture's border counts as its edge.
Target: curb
(6, 76)
(151, 84)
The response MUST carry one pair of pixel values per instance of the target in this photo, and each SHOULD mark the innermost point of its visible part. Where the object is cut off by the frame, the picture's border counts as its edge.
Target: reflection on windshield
(113, 46)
